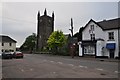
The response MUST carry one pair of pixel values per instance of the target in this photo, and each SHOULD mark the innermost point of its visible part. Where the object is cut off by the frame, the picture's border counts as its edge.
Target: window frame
(10, 44)
(92, 27)
(2, 44)
(111, 36)
(92, 36)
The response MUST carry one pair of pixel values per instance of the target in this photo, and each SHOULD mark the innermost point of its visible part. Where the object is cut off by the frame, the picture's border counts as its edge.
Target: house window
(92, 36)
(2, 44)
(92, 27)
(2, 50)
(111, 35)
(10, 44)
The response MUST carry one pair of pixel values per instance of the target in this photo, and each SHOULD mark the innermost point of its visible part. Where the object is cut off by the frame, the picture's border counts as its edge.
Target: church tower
(45, 26)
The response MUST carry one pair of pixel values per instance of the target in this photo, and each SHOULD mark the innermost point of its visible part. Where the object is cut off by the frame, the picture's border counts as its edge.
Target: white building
(7, 44)
(100, 39)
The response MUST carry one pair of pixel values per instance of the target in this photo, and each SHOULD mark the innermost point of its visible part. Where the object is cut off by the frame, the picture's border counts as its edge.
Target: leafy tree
(56, 41)
(29, 43)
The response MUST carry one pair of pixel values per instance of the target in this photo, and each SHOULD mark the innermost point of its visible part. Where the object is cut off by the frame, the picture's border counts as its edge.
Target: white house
(7, 43)
(100, 39)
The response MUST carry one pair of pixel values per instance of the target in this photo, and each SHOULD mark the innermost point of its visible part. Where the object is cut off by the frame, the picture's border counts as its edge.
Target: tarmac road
(47, 66)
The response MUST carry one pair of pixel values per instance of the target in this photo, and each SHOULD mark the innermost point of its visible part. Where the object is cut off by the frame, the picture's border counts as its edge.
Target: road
(48, 66)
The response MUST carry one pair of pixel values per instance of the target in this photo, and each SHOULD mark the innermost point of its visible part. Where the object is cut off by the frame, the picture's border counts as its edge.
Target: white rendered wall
(99, 33)
(8, 47)
(103, 34)
(115, 40)
(80, 50)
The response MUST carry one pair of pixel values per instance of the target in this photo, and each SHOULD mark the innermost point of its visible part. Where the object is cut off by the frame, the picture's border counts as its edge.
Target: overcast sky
(19, 19)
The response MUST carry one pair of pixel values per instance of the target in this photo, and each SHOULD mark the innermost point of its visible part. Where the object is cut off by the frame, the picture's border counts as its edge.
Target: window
(92, 36)
(10, 44)
(89, 49)
(92, 27)
(2, 44)
(2, 50)
(111, 35)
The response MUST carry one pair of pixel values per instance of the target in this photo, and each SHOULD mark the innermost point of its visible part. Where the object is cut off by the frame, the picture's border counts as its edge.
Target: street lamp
(71, 27)
(34, 48)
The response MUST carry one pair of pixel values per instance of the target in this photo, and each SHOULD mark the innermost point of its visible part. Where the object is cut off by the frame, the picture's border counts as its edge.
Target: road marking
(70, 64)
(99, 69)
(54, 72)
(85, 67)
(31, 69)
(44, 60)
(52, 61)
(81, 66)
(116, 72)
(59, 62)
(22, 70)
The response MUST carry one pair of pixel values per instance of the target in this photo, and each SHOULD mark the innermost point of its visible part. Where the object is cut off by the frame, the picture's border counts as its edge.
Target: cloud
(19, 19)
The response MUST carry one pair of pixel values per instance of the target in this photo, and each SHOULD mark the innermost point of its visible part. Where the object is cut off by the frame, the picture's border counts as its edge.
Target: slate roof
(6, 39)
(109, 24)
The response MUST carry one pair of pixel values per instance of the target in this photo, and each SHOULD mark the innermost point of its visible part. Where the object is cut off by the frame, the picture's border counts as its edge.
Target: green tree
(56, 41)
(30, 43)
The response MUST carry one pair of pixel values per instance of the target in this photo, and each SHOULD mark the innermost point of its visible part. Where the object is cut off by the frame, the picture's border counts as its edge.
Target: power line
(17, 20)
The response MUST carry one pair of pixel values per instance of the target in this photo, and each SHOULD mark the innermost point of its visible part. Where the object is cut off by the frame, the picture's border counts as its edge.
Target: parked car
(18, 54)
(7, 55)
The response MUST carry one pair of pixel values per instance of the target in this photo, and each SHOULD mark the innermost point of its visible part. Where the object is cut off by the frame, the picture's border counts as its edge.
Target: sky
(19, 19)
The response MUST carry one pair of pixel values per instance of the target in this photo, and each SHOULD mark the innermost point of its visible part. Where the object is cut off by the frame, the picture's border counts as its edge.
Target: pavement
(86, 58)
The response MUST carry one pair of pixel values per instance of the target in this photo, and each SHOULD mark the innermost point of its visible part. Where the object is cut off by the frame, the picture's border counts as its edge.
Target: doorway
(111, 52)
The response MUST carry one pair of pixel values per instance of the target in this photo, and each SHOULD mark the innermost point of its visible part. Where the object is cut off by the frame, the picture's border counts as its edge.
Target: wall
(8, 47)
(103, 34)
(115, 41)
(97, 31)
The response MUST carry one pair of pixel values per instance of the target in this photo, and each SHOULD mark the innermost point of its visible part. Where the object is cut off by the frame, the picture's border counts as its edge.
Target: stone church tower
(45, 27)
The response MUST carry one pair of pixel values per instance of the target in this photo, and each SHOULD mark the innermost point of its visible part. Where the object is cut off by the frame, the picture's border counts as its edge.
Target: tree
(56, 41)
(30, 43)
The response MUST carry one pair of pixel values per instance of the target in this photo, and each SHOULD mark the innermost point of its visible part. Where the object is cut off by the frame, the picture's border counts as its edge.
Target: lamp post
(72, 44)
(34, 48)
(71, 27)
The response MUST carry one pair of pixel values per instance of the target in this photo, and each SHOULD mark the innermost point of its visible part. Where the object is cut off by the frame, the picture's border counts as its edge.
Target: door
(112, 53)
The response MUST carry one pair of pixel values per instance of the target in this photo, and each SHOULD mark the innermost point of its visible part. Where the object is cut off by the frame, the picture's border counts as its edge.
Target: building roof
(6, 39)
(109, 24)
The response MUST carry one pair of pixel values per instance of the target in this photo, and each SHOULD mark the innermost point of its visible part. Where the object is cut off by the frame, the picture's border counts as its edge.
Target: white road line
(54, 72)
(59, 62)
(44, 60)
(99, 69)
(85, 67)
(70, 64)
(31, 69)
(22, 70)
(52, 61)
(116, 71)
(81, 66)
